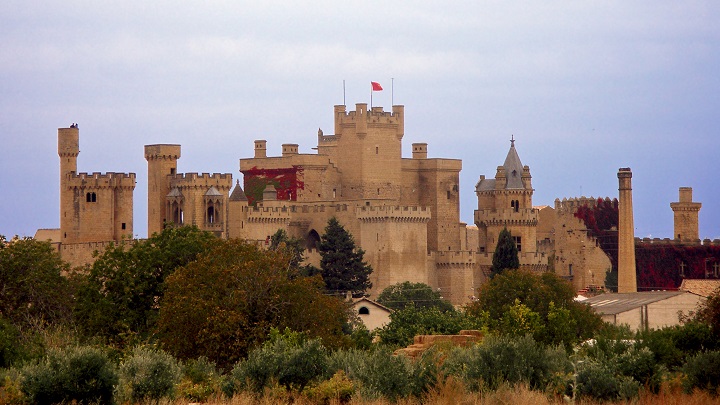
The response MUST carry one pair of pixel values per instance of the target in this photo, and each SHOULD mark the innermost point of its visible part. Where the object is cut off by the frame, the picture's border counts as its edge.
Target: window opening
(518, 243)
(364, 311)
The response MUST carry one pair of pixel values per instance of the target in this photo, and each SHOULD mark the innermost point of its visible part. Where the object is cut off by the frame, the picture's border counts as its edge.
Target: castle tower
(369, 144)
(685, 214)
(94, 207)
(68, 150)
(627, 277)
(162, 162)
(506, 202)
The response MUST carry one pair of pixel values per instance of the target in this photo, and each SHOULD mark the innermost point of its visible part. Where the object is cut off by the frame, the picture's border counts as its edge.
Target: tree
(118, 299)
(563, 320)
(341, 263)
(225, 303)
(709, 312)
(505, 255)
(410, 321)
(418, 295)
(32, 285)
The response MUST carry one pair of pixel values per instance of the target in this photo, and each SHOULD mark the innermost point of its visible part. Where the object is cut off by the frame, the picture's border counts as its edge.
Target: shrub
(640, 365)
(702, 371)
(288, 359)
(599, 381)
(201, 380)
(376, 372)
(148, 374)
(9, 343)
(338, 388)
(10, 391)
(504, 359)
(83, 374)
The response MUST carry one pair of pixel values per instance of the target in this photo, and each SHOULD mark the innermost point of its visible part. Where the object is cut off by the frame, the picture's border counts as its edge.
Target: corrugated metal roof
(610, 304)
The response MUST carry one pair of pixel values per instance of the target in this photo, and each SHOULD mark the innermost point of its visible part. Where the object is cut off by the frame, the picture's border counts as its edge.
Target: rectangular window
(518, 243)
(123, 225)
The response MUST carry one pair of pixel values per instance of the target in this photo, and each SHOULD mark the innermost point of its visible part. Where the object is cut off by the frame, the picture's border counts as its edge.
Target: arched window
(364, 311)
(211, 214)
(312, 240)
(90, 197)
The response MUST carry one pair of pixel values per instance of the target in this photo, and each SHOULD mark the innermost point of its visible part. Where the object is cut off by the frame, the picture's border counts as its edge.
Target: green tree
(410, 321)
(551, 297)
(293, 247)
(418, 295)
(709, 312)
(225, 303)
(118, 300)
(505, 255)
(32, 285)
(341, 263)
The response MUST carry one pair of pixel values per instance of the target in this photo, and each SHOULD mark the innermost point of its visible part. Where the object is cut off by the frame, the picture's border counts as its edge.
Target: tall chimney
(627, 278)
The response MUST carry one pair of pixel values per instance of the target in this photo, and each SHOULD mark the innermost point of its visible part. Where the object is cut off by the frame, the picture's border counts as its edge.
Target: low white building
(372, 314)
(645, 310)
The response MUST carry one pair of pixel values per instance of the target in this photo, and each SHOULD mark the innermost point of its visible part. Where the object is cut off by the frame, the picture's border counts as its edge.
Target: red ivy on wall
(658, 264)
(602, 222)
(286, 183)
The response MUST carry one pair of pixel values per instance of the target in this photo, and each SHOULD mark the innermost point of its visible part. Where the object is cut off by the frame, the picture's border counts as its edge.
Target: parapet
(396, 213)
(204, 179)
(361, 118)
(97, 179)
(162, 151)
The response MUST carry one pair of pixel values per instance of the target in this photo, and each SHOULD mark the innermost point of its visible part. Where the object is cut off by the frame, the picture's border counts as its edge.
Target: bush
(640, 365)
(201, 380)
(9, 343)
(10, 390)
(376, 372)
(287, 359)
(702, 371)
(504, 359)
(599, 381)
(406, 323)
(148, 374)
(83, 374)
(337, 388)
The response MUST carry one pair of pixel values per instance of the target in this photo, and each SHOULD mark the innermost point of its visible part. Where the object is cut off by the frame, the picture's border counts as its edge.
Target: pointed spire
(238, 194)
(512, 141)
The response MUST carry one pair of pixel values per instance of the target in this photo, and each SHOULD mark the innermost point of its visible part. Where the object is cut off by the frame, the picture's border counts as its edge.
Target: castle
(404, 212)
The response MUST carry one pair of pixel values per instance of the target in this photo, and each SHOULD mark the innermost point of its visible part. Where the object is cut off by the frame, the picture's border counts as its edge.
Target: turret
(162, 162)
(685, 213)
(419, 151)
(260, 148)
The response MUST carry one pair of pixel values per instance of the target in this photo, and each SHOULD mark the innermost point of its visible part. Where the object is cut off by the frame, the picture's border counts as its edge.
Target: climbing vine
(659, 264)
(286, 182)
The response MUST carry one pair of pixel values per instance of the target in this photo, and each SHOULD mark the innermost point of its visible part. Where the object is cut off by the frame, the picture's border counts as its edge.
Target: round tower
(68, 150)
(627, 277)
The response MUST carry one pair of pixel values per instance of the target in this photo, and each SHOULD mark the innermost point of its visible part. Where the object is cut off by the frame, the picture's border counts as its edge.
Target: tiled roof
(700, 287)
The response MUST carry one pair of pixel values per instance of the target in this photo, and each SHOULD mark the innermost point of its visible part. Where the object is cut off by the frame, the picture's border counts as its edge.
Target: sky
(584, 87)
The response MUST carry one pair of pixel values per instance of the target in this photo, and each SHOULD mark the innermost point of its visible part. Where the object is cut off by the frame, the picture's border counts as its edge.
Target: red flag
(376, 86)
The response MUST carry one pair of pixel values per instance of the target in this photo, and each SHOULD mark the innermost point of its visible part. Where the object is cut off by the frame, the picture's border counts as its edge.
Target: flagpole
(344, 92)
(371, 92)
(392, 92)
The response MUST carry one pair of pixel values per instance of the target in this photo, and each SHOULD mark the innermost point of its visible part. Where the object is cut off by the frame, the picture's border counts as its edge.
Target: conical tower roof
(513, 168)
(238, 194)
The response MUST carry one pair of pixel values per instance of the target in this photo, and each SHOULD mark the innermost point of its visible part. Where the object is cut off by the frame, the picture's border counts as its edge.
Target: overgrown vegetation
(188, 317)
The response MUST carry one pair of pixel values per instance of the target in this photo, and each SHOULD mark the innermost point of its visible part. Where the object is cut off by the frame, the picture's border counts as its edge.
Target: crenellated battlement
(454, 258)
(393, 212)
(162, 151)
(572, 204)
(677, 242)
(502, 217)
(183, 180)
(101, 180)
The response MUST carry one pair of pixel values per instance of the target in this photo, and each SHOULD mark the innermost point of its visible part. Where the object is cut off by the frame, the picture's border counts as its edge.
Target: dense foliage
(32, 287)
(341, 263)
(118, 300)
(506, 254)
(517, 302)
(410, 321)
(418, 295)
(225, 303)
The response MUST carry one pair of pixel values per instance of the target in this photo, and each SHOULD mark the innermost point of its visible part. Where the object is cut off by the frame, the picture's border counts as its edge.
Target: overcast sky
(585, 87)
